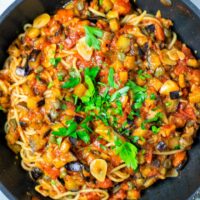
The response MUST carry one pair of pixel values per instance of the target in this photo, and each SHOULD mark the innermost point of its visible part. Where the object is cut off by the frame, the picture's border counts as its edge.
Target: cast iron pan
(14, 181)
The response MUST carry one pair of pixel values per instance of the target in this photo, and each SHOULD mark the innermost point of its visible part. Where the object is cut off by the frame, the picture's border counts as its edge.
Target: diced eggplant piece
(174, 95)
(36, 173)
(74, 166)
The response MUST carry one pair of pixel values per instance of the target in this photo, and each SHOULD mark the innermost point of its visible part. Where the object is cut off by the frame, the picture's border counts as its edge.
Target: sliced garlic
(165, 58)
(41, 21)
(98, 169)
(168, 86)
(83, 49)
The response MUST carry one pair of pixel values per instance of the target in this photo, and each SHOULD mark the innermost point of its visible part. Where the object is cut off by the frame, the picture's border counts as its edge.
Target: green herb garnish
(143, 75)
(168, 104)
(59, 141)
(92, 34)
(83, 135)
(155, 129)
(50, 85)
(55, 61)
(92, 72)
(111, 80)
(119, 93)
(127, 153)
(139, 94)
(71, 83)
(152, 96)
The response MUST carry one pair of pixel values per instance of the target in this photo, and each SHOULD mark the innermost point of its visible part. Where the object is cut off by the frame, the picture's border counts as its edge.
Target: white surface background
(4, 4)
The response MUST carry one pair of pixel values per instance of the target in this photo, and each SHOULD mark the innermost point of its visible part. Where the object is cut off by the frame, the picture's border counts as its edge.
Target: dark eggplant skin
(75, 166)
(41, 103)
(161, 146)
(174, 95)
(150, 28)
(78, 119)
(36, 173)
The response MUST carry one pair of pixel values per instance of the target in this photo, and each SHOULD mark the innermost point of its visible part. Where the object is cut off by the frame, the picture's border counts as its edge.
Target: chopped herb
(83, 135)
(59, 141)
(100, 2)
(1, 108)
(119, 93)
(142, 75)
(139, 94)
(60, 76)
(111, 81)
(177, 147)
(119, 110)
(91, 89)
(152, 96)
(63, 106)
(60, 132)
(168, 104)
(155, 129)
(72, 82)
(72, 131)
(55, 61)
(75, 99)
(92, 34)
(38, 77)
(50, 85)
(156, 118)
(53, 182)
(127, 153)
(92, 72)
(71, 127)
(102, 147)
(134, 139)
(61, 47)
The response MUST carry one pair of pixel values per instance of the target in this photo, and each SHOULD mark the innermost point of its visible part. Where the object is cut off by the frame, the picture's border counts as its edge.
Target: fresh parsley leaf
(156, 118)
(168, 104)
(152, 96)
(155, 129)
(55, 61)
(111, 80)
(92, 72)
(60, 76)
(60, 132)
(119, 110)
(91, 89)
(136, 88)
(177, 147)
(91, 36)
(59, 141)
(72, 126)
(1, 108)
(72, 82)
(100, 2)
(134, 139)
(119, 93)
(50, 85)
(143, 75)
(63, 106)
(139, 94)
(84, 123)
(83, 135)
(127, 152)
(102, 147)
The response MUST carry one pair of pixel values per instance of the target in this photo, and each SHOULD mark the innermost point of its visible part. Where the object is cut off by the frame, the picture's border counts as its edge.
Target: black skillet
(14, 181)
